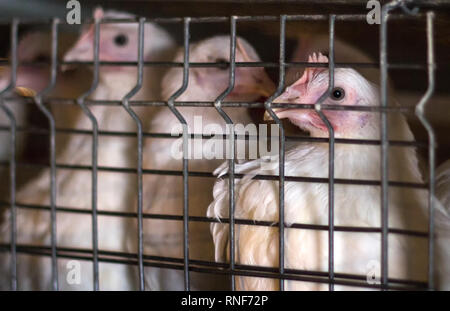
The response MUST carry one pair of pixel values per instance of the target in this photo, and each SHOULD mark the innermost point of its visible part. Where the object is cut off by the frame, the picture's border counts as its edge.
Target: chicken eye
(223, 62)
(337, 93)
(121, 40)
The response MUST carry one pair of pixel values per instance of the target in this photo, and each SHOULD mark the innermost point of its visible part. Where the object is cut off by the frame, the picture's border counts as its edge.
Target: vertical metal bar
(384, 139)
(39, 102)
(330, 128)
(171, 105)
(12, 157)
(230, 132)
(126, 105)
(267, 106)
(384, 128)
(384, 145)
(420, 112)
(90, 115)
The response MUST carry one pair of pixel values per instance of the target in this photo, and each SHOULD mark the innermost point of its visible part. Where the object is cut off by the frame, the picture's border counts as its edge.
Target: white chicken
(307, 202)
(351, 52)
(442, 227)
(35, 47)
(443, 184)
(118, 42)
(29, 77)
(164, 194)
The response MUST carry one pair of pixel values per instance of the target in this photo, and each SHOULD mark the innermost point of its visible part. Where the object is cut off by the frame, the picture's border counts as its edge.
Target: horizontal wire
(239, 221)
(307, 106)
(203, 266)
(221, 19)
(410, 66)
(43, 131)
(127, 170)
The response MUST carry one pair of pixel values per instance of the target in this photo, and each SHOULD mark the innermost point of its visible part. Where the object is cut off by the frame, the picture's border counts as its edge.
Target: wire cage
(276, 45)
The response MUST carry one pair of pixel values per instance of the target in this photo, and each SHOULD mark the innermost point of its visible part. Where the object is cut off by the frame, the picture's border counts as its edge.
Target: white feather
(442, 227)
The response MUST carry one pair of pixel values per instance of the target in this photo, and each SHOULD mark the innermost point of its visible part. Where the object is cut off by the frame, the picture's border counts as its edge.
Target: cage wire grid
(232, 268)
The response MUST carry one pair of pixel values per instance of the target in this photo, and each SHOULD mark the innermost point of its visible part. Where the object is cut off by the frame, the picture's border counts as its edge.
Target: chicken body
(442, 227)
(27, 77)
(164, 194)
(31, 80)
(443, 184)
(307, 202)
(115, 190)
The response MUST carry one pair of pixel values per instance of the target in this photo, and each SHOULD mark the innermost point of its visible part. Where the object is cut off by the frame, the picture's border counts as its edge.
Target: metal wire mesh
(142, 260)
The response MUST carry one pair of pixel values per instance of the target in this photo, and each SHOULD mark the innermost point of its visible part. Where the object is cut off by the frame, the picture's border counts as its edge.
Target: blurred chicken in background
(118, 42)
(443, 184)
(28, 78)
(31, 79)
(33, 76)
(164, 194)
(307, 203)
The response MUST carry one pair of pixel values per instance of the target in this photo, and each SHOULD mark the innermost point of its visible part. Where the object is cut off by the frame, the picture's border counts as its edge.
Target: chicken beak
(254, 84)
(81, 51)
(268, 117)
(29, 80)
(290, 95)
(283, 98)
(25, 91)
(253, 81)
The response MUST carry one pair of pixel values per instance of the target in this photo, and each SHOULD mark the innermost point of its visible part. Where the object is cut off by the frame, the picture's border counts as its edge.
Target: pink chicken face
(33, 47)
(117, 42)
(350, 89)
